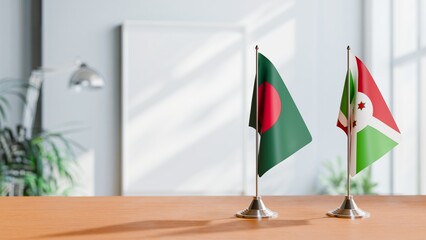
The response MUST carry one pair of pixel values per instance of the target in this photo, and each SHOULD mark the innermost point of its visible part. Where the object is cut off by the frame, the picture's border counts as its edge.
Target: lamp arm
(33, 93)
(82, 77)
(31, 99)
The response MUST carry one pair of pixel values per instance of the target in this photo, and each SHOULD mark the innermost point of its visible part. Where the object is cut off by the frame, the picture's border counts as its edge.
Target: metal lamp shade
(87, 78)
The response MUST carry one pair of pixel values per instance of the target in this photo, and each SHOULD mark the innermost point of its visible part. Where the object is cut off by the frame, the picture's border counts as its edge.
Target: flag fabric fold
(280, 125)
(373, 131)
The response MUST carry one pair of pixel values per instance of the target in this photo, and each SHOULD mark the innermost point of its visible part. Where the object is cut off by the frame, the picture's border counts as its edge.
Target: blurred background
(173, 79)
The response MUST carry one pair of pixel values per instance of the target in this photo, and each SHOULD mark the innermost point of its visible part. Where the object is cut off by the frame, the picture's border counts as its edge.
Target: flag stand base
(257, 209)
(349, 209)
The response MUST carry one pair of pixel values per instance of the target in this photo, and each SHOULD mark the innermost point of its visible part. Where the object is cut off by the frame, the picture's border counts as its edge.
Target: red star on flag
(361, 105)
(354, 124)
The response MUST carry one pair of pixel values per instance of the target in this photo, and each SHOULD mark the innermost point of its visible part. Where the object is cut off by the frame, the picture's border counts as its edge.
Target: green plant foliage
(43, 164)
(333, 181)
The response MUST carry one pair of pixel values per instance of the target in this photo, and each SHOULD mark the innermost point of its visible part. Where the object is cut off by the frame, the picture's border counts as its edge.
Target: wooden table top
(300, 217)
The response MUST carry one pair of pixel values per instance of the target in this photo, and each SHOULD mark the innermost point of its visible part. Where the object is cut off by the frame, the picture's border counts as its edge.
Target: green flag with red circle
(280, 125)
(373, 131)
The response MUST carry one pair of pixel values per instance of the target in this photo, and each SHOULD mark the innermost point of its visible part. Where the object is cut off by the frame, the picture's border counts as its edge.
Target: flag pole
(257, 121)
(349, 123)
(257, 208)
(348, 209)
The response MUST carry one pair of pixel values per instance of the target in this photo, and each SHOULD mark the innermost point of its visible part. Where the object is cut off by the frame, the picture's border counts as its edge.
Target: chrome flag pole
(348, 209)
(257, 208)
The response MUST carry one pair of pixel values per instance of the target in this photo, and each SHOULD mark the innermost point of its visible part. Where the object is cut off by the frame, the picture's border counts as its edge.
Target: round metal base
(349, 209)
(257, 209)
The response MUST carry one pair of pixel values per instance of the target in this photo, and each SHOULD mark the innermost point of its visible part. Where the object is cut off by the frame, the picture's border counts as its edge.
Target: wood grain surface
(300, 217)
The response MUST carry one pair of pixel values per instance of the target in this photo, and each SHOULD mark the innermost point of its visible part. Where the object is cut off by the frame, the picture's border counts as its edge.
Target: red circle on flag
(269, 106)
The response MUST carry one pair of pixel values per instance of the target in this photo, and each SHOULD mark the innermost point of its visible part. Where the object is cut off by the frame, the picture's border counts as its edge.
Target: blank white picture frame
(184, 117)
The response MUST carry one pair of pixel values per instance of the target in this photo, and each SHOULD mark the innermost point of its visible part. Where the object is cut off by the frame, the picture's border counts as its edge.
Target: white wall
(306, 40)
(15, 47)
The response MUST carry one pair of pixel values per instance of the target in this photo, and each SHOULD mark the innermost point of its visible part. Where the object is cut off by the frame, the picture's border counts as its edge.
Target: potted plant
(40, 164)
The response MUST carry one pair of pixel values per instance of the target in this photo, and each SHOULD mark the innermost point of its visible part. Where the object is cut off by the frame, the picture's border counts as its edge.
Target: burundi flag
(373, 130)
(281, 127)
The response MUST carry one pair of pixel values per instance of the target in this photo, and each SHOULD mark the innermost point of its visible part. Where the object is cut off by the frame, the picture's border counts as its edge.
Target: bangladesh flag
(281, 127)
(373, 131)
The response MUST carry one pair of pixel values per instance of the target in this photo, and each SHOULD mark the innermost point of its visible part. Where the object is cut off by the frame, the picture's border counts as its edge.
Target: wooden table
(392, 217)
